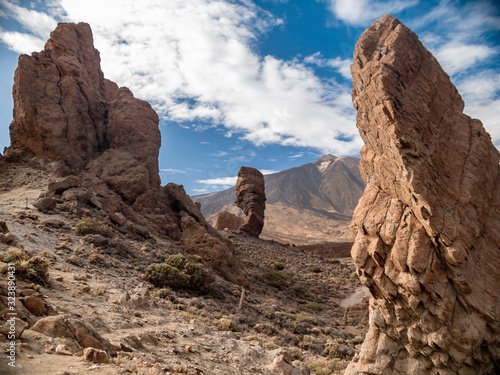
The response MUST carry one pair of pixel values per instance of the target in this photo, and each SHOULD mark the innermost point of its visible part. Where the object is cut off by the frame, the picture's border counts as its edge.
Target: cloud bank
(195, 61)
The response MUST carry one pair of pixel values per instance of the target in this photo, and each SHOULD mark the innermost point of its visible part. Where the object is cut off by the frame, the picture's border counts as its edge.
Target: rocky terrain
(428, 223)
(108, 272)
(105, 271)
(305, 305)
(309, 204)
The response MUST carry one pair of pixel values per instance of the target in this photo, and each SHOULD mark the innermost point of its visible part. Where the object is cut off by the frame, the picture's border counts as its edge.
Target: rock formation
(428, 223)
(251, 198)
(227, 220)
(103, 143)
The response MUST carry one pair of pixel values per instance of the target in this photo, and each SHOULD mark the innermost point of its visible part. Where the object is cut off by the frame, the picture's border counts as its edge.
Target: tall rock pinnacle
(251, 198)
(428, 223)
(65, 110)
(105, 143)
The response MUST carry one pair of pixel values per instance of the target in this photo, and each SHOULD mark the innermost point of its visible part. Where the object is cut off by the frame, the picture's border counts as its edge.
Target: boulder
(428, 224)
(72, 328)
(95, 355)
(227, 220)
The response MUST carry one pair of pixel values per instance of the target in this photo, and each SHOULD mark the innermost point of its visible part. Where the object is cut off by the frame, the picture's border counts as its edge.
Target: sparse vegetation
(279, 266)
(178, 273)
(248, 263)
(314, 268)
(13, 254)
(28, 268)
(89, 225)
(299, 291)
(278, 279)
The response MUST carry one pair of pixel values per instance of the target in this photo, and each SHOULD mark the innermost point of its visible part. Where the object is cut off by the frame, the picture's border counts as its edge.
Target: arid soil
(297, 301)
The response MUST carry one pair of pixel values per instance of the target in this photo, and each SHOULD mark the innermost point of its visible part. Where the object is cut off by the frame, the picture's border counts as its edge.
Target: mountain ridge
(307, 204)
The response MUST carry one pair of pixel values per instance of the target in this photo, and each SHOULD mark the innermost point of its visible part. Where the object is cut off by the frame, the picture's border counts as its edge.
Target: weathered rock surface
(227, 220)
(428, 223)
(101, 140)
(251, 198)
(65, 326)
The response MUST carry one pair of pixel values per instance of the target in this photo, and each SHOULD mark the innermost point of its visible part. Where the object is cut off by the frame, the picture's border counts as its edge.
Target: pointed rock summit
(65, 110)
(428, 223)
(103, 144)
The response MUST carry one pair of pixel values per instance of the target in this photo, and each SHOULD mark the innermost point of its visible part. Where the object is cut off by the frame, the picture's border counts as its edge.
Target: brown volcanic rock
(59, 99)
(106, 140)
(251, 198)
(227, 220)
(428, 223)
(65, 110)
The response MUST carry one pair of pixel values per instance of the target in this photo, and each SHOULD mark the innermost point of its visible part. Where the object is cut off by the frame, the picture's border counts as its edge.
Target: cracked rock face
(251, 198)
(428, 223)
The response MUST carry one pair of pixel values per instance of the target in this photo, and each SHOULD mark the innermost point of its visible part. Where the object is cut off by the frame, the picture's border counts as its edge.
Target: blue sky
(258, 83)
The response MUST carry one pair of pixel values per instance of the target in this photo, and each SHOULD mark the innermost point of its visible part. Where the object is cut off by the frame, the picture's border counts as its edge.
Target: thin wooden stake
(241, 299)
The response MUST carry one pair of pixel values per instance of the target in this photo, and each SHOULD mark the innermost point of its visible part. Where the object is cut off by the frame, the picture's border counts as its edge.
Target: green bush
(278, 279)
(13, 254)
(315, 306)
(178, 273)
(279, 266)
(178, 261)
(299, 291)
(314, 268)
(89, 225)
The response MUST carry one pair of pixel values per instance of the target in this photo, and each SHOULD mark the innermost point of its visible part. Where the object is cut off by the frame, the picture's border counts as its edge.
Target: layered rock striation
(428, 224)
(103, 144)
(251, 198)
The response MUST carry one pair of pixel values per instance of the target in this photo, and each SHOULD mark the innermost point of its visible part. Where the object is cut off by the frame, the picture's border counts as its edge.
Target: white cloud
(337, 63)
(200, 191)
(20, 42)
(481, 93)
(219, 154)
(172, 170)
(457, 57)
(456, 34)
(362, 12)
(194, 62)
(224, 181)
(38, 23)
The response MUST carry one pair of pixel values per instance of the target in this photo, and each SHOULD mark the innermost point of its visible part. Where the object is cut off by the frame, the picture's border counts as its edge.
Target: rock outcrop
(227, 220)
(103, 144)
(251, 198)
(65, 110)
(428, 223)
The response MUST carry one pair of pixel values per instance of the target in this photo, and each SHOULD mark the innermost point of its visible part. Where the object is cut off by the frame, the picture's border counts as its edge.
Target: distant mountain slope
(308, 204)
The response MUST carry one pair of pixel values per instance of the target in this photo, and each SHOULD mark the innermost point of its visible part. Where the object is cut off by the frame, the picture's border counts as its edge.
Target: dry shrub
(89, 225)
(34, 268)
(178, 273)
(278, 279)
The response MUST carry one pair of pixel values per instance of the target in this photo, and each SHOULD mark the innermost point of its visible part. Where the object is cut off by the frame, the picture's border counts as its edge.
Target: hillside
(309, 204)
(93, 288)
